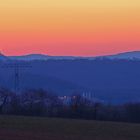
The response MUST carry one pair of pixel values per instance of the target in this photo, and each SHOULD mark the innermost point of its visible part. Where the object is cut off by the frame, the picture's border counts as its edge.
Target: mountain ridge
(29, 57)
(126, 55)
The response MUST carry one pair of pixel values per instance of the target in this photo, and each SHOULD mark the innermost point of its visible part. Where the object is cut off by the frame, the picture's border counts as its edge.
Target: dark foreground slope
(28, 128)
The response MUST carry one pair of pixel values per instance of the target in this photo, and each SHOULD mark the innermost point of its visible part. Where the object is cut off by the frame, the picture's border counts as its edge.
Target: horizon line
(45, 54)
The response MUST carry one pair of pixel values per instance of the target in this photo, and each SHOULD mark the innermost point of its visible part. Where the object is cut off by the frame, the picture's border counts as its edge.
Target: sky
(69, 27)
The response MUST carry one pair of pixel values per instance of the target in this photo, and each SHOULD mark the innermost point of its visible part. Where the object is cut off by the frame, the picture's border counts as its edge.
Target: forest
(45, 104)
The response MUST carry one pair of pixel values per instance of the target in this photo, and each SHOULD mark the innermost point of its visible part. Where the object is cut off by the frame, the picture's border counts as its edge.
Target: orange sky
(69, 27)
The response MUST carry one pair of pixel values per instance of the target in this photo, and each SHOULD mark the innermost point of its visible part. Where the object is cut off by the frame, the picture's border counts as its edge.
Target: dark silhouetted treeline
(43, 103)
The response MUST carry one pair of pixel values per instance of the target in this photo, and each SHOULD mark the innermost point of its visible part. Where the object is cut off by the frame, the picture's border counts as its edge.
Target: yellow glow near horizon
(70, 3)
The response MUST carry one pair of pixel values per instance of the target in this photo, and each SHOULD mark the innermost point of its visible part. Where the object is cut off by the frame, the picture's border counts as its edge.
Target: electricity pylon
(16, 67)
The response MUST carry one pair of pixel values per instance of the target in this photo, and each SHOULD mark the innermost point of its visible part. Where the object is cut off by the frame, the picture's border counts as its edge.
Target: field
(33, 128)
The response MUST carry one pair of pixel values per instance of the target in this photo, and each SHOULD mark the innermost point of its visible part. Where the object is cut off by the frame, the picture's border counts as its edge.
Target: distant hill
(113, 78)
(3, 57)
(114, 81)
(128, 55)
(31, 57)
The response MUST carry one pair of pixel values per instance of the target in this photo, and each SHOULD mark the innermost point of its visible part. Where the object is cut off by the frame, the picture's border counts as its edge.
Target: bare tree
(4, 98)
